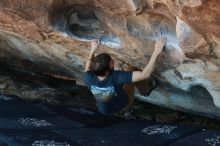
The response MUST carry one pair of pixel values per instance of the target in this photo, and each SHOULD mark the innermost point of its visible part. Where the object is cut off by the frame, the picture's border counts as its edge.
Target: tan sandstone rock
(52, 37)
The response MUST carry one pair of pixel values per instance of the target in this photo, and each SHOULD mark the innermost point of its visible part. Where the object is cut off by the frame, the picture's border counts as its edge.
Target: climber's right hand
(159, 45)
(94, 45)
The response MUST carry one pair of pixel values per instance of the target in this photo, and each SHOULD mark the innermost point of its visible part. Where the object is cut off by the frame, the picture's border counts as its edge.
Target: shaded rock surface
(51, 37)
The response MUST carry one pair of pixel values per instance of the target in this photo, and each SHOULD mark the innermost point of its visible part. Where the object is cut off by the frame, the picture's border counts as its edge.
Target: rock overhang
(54, 38)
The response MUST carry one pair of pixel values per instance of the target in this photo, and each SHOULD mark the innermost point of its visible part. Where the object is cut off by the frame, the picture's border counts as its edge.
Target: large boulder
(52, 37)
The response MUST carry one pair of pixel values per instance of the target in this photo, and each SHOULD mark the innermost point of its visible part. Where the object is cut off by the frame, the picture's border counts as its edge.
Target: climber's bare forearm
(146, 73)
(94, 47)
(89, 61)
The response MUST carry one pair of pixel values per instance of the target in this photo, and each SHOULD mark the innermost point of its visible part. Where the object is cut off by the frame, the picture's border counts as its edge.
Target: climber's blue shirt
(109, 94)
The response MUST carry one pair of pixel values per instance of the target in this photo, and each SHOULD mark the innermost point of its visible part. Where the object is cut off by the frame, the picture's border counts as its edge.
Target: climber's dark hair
(101, 64)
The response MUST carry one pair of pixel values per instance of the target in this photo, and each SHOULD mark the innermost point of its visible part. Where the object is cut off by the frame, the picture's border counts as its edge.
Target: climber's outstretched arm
(94, 47)
(146, 73)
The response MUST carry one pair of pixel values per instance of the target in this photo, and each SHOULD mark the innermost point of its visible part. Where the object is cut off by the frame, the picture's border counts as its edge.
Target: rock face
(52, 37)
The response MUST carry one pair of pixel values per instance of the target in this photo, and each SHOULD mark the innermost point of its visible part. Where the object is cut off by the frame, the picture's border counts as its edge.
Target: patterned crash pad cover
(205, 138)
(129, 133)
(27, 123)
(33, 138)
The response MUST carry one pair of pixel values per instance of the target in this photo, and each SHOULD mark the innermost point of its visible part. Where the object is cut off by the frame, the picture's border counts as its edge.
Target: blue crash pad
(33, 138)
(87, 117)
(27, 123)
(12, 106)
(129, 133)
(38, 123)
(205, 138)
